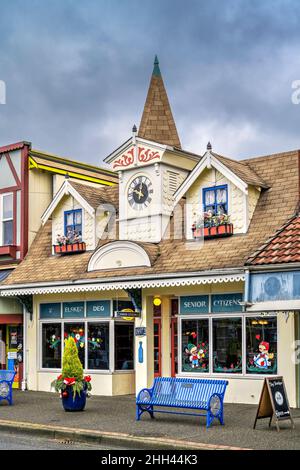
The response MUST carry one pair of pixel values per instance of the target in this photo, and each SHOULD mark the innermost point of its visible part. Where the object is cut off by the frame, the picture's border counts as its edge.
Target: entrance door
(157, 346)
(174, 347)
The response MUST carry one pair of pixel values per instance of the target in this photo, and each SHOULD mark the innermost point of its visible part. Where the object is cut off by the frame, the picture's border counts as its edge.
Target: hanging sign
(127, 314)
(274, 401)
(194, 304)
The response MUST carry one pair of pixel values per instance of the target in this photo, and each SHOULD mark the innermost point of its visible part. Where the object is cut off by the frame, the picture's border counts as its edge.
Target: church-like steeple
(157, 121)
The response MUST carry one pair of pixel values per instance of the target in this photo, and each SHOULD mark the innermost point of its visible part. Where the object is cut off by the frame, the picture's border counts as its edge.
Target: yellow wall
(40, 196)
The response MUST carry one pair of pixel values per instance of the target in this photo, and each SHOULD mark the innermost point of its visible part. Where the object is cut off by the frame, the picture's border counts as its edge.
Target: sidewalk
(113, 418)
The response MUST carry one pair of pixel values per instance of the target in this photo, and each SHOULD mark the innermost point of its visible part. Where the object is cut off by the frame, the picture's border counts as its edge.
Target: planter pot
(77, 404)
(213, 231)
(79, 247)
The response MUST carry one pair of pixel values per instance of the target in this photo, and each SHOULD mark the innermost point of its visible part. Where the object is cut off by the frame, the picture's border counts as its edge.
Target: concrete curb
(107, 438)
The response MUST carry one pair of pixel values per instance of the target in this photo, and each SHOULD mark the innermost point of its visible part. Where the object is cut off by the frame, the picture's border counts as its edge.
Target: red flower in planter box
(87, 378)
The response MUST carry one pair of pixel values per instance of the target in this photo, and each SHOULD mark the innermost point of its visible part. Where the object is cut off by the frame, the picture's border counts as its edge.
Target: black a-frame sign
(274, 402)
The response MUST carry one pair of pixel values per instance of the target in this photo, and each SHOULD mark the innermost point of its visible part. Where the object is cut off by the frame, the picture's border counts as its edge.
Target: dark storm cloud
(77, 72)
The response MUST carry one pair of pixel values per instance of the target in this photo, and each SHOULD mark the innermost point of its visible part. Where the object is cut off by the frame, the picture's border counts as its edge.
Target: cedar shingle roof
(243, 170)
(275, 205)
(98, 195)
(157, 121)
(284, 247)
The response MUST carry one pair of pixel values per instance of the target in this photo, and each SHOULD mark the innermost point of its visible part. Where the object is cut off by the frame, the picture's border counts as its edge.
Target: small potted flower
(72, 385)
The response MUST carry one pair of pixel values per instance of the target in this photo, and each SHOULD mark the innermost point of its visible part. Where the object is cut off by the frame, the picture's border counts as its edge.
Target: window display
(227, 345)
(98, 346)
(261, 344)
(195, 346)
(51, 346)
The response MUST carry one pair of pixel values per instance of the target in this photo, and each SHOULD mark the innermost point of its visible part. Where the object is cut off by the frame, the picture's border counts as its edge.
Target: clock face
(140, 193)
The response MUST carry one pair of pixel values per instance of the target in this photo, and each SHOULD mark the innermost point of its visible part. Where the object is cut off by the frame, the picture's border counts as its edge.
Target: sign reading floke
(226, 303)
(193, 304)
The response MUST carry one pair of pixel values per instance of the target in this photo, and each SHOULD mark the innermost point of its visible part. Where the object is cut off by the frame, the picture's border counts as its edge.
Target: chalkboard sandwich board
(274, 402)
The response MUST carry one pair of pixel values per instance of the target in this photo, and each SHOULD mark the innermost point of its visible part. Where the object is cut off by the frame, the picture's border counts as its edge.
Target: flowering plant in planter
(72, 378)
(69, 239)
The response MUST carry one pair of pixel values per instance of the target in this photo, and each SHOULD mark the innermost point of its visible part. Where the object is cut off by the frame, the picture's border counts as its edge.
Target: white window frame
(85, 320)
(2, 219)
(210, 318)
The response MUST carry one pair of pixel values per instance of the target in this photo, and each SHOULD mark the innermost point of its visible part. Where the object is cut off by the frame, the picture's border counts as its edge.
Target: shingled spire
(157, 121)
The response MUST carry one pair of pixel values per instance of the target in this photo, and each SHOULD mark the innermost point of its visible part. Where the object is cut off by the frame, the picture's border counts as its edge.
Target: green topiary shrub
(72, 372)
(72, 366)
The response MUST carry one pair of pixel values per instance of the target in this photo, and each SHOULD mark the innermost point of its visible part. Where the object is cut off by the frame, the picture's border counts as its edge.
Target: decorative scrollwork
(145, 156)
(125, 160)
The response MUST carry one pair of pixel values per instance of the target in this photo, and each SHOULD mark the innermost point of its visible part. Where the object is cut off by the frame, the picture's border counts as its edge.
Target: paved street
(13, 441)
(117, 415)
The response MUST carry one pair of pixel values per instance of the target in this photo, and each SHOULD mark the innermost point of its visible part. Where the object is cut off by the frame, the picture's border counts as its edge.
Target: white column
(144, 371)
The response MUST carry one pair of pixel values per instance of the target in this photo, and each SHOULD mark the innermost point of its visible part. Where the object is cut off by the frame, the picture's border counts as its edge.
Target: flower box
(213, 232)
(8, 250)
(79, 247)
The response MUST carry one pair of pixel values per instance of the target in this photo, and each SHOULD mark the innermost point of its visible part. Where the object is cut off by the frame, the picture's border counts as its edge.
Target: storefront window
(195, 346)
(124, 336)
(51, 346)
(98, 346)
(76, 331)
(261, 337)
(227, 345)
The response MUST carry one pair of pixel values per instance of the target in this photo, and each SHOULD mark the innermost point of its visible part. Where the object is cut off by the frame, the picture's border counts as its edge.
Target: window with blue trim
(215, 199)
(73, 223)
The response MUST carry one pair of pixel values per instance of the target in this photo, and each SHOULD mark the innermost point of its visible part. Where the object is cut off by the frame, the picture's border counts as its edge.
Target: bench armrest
(144, 392)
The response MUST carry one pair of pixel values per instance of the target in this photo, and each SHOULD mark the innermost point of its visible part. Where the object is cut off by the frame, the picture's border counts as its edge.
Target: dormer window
(215, 200)
(73, 222)
(6, 219)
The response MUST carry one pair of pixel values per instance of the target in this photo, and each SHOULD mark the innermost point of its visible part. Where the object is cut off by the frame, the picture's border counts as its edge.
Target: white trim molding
(119, 254)
(66, 189)
(111, 284)
(209, 161)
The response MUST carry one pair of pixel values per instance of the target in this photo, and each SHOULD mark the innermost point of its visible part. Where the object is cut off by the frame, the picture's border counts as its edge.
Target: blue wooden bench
(194, 394)
(6, 383)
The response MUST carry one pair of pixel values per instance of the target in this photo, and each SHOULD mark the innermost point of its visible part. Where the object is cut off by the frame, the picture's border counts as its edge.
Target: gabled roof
(283, 247)
(241, 174)
(90, 197)
(243, 170)
(78, 170)
(176, 256)
(157, 121)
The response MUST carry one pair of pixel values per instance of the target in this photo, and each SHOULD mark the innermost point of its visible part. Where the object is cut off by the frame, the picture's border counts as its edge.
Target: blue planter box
(71, 404)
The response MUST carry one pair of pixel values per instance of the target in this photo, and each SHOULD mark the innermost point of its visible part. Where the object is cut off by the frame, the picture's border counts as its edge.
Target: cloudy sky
(77, 73)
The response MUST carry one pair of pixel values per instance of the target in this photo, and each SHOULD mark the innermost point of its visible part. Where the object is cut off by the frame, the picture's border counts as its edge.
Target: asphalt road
(12, 441)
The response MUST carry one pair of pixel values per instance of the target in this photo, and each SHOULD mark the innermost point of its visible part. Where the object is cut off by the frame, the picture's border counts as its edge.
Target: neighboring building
(28, 181)
(274, 289)
(153, 255)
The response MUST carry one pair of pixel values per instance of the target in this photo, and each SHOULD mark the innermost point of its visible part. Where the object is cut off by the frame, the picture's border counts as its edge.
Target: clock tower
(151, 167)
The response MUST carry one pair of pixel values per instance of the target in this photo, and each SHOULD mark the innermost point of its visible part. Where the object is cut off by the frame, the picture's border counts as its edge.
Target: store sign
(226, 303)
(73, 309)
(50, 310)
(140, 331)
(127, 314)
(98, 308)
(194, 304)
